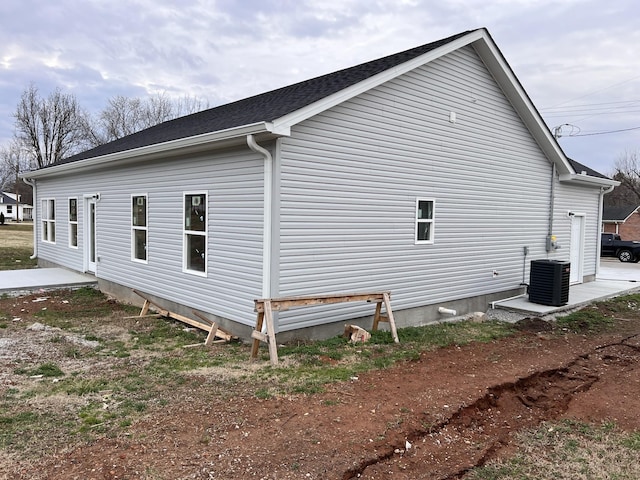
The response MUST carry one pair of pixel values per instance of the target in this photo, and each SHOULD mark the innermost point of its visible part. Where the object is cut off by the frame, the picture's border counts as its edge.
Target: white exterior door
(90, 235)
(577, 248)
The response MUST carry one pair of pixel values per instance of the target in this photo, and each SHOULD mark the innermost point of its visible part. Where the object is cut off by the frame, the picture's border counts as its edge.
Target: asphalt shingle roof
(265, 107)
(617, 214)
(579, 167)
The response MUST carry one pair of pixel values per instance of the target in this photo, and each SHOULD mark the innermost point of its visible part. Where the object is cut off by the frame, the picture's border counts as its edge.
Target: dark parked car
(613, 246)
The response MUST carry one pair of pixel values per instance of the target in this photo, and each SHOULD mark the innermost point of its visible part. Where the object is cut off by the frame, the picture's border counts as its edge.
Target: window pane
(74, 234)
(52, 231)
(139, 209)
(424, 231)
(45, 231)
(52, 210)
(195, 213)
(73, 210)
(195, 252)
(425, 209)
(140, 244)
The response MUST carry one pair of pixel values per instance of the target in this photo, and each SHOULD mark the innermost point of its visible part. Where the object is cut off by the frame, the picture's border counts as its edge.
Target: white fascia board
(203, 141)
(586, 180)
(293, 118)
(513, 90)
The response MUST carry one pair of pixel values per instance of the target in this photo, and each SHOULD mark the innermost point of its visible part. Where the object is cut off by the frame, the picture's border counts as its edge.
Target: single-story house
(625, 221)
(13, 210)
(428, 173)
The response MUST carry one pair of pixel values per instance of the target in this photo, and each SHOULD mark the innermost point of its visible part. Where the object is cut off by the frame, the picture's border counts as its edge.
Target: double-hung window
(139, 228)
(424, 220)
(73, 222)
(48, 216)
(195, 233)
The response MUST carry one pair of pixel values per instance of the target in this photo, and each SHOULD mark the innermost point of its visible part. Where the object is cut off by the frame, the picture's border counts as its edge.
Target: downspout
(552, 199)
(32, 184)
(603, 192)
(267, 215)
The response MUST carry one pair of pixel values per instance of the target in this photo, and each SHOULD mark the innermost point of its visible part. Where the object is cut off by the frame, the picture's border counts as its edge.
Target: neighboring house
(11, 211)
(428, 173)
(624, 221)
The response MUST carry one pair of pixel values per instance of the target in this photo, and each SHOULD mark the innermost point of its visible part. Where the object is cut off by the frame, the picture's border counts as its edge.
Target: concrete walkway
(614, 278)
(34, 279)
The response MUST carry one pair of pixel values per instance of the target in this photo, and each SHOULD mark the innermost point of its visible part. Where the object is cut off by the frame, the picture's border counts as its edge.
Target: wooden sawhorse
(265, 308)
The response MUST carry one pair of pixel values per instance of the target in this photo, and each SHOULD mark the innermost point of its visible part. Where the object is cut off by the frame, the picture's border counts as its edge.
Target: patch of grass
(312, 365)
(620, 305)
(632, 441)
(567, 450)
(46, 370)
(587, 320)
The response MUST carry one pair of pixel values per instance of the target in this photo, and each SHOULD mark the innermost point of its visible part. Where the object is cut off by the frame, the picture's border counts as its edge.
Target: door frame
(577, 246)
(89, 229)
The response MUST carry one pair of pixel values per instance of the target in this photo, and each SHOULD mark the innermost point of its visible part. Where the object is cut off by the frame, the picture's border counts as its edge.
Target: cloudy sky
(579, 60)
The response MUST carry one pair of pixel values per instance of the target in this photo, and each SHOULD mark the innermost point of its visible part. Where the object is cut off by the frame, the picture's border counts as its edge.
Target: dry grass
(569, 450)
(16, 246)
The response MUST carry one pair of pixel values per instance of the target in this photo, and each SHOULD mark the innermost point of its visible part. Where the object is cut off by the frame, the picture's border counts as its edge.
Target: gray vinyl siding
(583, 200)
(351, 175)
(233, 182)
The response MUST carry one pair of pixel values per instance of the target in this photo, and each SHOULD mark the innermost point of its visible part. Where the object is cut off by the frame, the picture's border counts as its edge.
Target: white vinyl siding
(139, 221)
(384, 149)
(234, 182)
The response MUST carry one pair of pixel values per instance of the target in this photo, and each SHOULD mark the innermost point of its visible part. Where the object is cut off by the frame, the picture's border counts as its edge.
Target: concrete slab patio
(34, 279)
(614, 278)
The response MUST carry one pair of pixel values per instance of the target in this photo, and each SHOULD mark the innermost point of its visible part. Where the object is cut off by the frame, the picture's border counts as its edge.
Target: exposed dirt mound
(434, 418)
(534, 324)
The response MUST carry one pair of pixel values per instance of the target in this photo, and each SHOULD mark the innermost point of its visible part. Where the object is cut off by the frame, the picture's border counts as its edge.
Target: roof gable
(265, 107)
(273, 113)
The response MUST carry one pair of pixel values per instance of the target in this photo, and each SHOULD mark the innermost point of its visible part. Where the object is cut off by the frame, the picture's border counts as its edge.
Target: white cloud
(224, 50)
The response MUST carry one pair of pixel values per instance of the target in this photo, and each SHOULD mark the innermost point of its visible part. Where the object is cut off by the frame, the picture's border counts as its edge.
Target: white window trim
(44, 202)
(204, 234)
(73, 222)
(134, 228)
(432, 221)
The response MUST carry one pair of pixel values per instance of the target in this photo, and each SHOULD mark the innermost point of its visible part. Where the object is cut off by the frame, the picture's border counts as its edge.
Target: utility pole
(16, 189)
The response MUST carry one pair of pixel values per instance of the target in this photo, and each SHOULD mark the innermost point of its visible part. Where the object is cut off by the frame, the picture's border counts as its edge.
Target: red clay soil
(434, 418)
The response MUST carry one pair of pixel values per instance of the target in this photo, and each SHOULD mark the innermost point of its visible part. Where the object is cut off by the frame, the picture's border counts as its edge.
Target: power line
(606, 104)
(602, 133)
(594, 92)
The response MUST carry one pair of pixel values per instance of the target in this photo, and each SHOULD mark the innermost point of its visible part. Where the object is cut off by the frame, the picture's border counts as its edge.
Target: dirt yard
(435, 417)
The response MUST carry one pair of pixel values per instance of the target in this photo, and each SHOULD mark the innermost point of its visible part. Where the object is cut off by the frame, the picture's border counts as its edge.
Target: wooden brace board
(203, 324)
(266, 307)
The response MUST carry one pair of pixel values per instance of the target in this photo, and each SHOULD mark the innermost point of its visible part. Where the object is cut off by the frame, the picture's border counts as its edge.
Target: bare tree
(124, 116)
(49, 128)
(627, 172)
(13, 161)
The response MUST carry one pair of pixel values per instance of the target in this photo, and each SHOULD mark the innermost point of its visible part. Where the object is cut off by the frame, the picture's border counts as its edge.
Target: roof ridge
(262, 107)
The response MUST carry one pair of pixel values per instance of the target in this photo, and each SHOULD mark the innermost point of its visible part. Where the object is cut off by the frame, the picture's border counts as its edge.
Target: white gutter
(267, 215)
(603, 192)
(588, 180)
(32, 184)
(160, 149)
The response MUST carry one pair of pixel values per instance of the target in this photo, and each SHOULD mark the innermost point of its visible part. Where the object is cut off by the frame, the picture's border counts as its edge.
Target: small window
(424, 220)
(73, 222)
(9, 208)
(49, 220)
(139, 228)
(195, 232)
